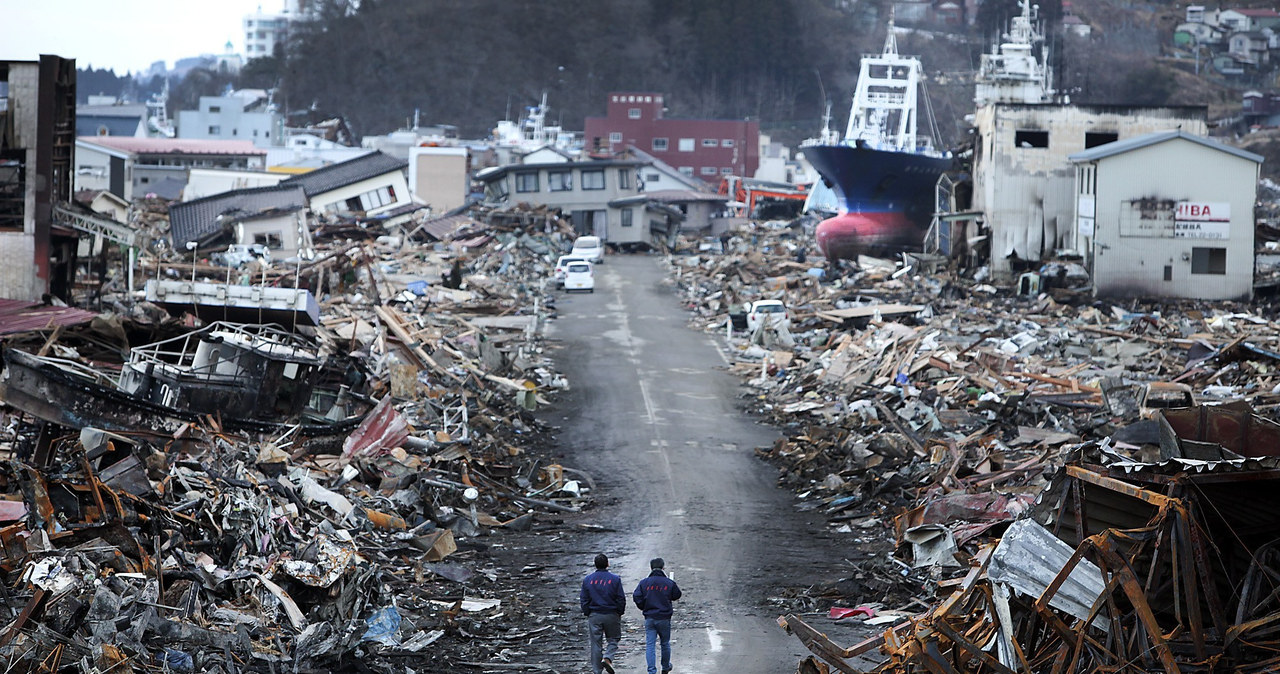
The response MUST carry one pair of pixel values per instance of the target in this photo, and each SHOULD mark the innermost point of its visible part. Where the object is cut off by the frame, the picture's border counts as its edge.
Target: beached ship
(882, 173)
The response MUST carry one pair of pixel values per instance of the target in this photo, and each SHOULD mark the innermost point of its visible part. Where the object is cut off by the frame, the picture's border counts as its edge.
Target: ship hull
(885, 198)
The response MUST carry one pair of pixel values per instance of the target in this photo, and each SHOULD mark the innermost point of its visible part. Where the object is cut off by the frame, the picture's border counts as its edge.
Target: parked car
(589, 247)
(579, 276)
(237, 255)
(562, 266)
(770, 312)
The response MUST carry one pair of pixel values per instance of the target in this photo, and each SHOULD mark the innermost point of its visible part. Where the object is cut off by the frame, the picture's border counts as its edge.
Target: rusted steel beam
(959, 641)
(819, 643)
(1158, 500)
(1140, 606)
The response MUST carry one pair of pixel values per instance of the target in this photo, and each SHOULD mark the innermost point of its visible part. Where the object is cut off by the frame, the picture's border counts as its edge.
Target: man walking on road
(654, 596)
(603, 602)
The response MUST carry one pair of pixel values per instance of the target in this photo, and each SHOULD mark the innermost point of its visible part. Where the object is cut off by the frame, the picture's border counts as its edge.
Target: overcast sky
(124, 35)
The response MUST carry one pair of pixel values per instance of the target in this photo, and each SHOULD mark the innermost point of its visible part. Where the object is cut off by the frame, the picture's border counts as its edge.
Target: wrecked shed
(1168, 214)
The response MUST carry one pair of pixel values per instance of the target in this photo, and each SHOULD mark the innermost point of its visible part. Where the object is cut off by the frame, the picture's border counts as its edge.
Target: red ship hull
(848, 235)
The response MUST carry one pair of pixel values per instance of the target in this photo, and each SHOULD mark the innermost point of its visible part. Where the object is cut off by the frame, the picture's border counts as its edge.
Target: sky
(124, 35)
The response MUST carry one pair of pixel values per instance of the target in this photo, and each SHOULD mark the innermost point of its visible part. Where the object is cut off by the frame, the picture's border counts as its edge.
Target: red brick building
(702, 148)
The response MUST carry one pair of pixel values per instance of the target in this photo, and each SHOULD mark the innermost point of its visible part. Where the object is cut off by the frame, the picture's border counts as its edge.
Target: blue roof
(1128, 144)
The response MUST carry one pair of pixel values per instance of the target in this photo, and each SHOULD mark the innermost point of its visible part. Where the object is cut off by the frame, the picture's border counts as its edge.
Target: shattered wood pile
(214, 538)
(925, 415)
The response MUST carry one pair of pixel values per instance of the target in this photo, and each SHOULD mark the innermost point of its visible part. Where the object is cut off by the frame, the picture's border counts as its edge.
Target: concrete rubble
(1015, 493)
(168, 502)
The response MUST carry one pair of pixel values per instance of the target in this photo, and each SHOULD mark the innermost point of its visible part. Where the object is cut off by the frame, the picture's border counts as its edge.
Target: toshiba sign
(1202, 220)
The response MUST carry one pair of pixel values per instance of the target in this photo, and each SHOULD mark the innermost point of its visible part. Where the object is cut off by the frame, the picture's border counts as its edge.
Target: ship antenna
(890, 43)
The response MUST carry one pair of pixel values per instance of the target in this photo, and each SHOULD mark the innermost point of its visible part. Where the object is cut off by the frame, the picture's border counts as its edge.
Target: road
(653, 416)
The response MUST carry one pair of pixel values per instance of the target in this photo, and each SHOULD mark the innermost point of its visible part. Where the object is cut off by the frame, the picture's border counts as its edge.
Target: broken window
(1208, 260)
(1029, 139)
(593, 180)
(1094, 139)
(271, 240)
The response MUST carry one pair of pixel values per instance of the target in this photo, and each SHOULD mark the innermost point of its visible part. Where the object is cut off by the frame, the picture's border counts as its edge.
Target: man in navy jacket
(654, 596)
(603, 602)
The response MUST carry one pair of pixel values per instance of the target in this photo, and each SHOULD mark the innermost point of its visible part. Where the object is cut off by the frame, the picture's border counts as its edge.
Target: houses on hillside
(1234, 42)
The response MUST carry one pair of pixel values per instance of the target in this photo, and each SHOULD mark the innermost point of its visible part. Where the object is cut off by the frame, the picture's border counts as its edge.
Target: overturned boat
(259, 379)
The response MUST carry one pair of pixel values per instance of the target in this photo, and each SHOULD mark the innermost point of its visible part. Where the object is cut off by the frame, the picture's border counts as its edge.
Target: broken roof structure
(346, 173)
(205, 220)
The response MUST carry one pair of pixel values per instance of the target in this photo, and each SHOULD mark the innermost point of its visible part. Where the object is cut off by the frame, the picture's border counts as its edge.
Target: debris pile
(926, 414)
(232, 496)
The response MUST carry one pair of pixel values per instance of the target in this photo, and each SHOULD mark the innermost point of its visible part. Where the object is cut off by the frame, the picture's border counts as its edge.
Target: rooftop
(346, 173)
(135, 145)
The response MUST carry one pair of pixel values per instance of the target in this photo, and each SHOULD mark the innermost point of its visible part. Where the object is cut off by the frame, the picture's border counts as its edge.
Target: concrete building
(247, 115)
(1168, 214)
(37, 127)
(1024, 181)
(205, 182)
(370, 185)
(131, 167)
(582, 190)
(264, 31)
(702, 148)
(440, 177)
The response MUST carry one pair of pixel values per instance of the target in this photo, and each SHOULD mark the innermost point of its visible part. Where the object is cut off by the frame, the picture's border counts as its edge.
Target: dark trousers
(605, 627)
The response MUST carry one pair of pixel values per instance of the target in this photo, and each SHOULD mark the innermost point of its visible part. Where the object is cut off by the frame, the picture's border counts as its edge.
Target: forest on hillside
(472, 62)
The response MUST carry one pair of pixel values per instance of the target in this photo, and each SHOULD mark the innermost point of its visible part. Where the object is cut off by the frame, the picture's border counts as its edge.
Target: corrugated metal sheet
(26, 316)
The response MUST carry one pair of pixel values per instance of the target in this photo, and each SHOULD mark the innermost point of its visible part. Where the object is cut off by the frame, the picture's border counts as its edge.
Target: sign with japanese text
(1202, 220)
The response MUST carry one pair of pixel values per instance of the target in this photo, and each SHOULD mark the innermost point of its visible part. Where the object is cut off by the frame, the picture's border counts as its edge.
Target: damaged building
(37, 134)
(1168, 215)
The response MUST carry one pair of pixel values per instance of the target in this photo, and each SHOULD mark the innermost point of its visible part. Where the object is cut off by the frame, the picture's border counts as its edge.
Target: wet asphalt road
(654, 417)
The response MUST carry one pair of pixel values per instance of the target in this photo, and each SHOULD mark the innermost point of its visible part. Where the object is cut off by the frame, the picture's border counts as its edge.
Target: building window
(626, 217)
(686, 145)
(144, 180)
(1028, 139)
(215, 130)
(624, 179)
(652, 177)
(1208, 260)
(593, 180)
(727, 142)
(526, 182)
(1096, 139)
(215, 108)
(686, 170)
(272, 240)
(255, 133)
(659, 144)
(710, 142)
(726, 170)
(633, 113)
(615, 136)
(708, 170)
(560, 181)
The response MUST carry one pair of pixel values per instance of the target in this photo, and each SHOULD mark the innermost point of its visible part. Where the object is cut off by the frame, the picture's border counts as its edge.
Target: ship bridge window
(1026, 139)
(1094, 139)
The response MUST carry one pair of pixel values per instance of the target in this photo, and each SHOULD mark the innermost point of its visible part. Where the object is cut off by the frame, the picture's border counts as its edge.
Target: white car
(589, 247)
(562, 266)
(579, 276)
(768, 312)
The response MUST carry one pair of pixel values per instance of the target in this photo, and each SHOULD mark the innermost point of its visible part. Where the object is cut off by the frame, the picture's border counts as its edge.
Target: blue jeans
(653, 631)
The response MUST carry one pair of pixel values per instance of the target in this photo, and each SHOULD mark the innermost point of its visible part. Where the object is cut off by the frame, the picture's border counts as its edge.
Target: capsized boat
(883, 175)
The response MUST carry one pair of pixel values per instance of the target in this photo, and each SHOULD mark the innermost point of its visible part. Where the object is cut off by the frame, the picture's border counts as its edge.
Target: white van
(589, 247)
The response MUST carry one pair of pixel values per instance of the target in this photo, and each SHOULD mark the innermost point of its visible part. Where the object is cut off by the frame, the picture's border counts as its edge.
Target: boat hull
(885, 198)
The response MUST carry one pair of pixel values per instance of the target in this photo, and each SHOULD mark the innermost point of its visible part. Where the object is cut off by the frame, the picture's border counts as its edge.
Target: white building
(1168, 214)
(247, 114)
(264, 30)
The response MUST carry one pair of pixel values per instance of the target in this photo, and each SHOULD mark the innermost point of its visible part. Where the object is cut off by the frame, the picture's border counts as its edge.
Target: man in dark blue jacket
(603, 602)
(654, 596)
